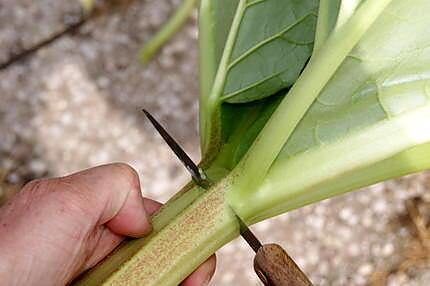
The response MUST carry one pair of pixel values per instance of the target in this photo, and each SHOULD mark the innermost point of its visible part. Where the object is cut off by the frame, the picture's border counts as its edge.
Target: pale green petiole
(327, 16)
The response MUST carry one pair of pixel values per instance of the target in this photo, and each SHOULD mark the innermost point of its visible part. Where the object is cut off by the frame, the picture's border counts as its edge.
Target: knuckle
(40, 185)
(34, 184)
(128, 173)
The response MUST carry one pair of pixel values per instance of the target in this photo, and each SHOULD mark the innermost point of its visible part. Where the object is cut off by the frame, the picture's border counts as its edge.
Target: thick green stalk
(253, 168)
(167, 31)
(186, 232)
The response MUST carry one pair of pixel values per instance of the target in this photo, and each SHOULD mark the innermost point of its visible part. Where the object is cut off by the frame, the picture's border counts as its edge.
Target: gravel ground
(75, 104)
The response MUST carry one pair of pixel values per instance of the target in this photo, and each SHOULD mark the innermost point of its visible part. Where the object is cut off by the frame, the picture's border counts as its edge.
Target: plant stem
(253, 168)
(186, 232)
(207, 53)
(211, 104)
(346, 10)
(167, 31)
(327, 15)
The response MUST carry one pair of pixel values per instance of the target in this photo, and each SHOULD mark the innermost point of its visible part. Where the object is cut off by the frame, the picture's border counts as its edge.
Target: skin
(55, 229)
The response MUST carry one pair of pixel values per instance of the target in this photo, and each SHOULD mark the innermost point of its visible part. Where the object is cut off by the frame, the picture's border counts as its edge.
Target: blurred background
(75, 103)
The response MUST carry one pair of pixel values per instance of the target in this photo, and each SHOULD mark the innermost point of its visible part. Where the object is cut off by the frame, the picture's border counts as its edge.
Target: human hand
(55, 229)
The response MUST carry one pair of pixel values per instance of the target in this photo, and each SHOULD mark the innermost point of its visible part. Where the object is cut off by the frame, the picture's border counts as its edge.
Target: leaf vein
(248, 87)
(255, 2)
(268, 40)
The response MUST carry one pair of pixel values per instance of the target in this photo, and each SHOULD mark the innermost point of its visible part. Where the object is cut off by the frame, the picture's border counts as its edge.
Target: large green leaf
(272, 44)
(372, 114)
(386, 75)
(267, 45)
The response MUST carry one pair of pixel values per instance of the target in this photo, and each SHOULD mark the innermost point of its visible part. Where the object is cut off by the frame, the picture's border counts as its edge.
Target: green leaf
(268, 43)
(273, 42)
(374, 109)
(386, 75)
(253, 168)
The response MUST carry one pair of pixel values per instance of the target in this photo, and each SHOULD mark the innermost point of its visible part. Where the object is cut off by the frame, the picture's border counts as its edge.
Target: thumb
(111, 195)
